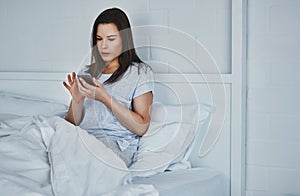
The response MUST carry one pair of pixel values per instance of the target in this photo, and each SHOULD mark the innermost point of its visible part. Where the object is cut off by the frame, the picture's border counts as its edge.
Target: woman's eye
(111, 39)
(98, 39)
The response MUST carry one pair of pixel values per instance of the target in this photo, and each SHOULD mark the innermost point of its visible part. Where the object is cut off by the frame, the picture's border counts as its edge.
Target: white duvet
(48, 156)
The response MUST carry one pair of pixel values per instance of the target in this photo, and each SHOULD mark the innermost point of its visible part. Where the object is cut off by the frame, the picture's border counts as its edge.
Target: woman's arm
(75, 111)
(136, 120)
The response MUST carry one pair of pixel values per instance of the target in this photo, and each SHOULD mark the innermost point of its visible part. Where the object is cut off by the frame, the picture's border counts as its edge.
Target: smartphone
(87, 77)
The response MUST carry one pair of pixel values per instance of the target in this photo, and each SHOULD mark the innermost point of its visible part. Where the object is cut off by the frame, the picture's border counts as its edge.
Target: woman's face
(109, 42)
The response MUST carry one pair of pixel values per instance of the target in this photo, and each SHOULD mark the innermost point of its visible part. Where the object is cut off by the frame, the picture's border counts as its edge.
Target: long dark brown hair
(128, 55)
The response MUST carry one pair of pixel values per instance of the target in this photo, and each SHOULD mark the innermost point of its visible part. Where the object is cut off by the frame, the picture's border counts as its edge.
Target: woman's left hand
(96, 91)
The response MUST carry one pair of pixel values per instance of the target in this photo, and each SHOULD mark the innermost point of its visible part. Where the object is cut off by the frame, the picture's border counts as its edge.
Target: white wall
(273, 131)
(39, 35)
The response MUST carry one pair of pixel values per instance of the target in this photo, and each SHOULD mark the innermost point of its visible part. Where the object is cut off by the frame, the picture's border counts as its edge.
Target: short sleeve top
(99, 120)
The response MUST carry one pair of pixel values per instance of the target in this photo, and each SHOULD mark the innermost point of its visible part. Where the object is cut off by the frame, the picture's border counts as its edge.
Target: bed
(181, 154)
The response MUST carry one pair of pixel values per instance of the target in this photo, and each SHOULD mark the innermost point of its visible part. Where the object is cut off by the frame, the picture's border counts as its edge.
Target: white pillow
(168, 113)
(170, 137)
(18, 105)
(204, 117)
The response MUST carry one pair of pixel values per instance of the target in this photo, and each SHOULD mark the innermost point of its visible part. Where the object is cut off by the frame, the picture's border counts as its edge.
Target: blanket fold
(49, 156)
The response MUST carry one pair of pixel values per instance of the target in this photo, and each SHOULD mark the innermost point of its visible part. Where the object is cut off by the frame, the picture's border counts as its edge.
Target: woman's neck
(111, 67)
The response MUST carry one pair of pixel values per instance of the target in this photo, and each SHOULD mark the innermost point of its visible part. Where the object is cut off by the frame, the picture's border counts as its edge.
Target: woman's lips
(105, 53)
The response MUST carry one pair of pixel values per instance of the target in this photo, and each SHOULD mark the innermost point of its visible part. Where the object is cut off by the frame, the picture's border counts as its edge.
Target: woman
(116, 107)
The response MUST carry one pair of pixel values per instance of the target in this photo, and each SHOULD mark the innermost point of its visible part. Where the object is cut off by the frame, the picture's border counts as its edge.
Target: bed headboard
(217, 152)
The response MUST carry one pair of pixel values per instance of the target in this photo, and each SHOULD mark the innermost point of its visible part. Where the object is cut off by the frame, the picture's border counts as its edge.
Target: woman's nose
(104, 43)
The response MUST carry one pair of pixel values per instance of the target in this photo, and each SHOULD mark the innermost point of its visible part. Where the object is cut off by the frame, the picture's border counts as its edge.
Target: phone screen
(87, 78)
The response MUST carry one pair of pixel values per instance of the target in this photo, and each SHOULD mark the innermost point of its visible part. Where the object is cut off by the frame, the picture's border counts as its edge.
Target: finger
(79, 84)
(85, 84)
(81, 87)
(87, 89)
(73, 75)
(96, 82)
(83, 91)
(69, 79)
(90, 93)
(66, 85)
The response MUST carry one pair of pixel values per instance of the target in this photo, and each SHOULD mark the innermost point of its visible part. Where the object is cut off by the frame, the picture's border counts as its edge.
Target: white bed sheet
(49, 156)
(195, 181)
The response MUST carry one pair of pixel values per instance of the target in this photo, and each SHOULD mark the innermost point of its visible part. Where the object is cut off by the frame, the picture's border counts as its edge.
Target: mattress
(195, 181)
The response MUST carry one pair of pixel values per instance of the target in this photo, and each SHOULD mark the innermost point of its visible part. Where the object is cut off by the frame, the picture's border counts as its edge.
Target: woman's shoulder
(141, 68)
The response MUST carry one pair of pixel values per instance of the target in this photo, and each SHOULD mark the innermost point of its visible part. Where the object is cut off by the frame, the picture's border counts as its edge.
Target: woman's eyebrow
(109, 36)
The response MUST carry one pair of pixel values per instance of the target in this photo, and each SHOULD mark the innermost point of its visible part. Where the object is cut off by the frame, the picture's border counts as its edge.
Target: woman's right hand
(72, 87)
